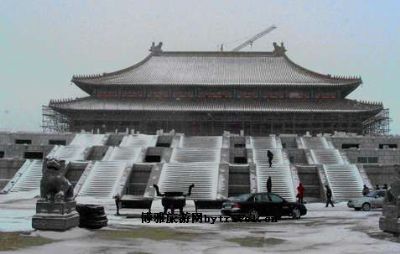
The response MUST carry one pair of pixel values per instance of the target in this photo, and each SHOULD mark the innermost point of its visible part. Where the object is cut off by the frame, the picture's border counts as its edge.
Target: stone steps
(103, 179)
(30, 178)
(179, 176)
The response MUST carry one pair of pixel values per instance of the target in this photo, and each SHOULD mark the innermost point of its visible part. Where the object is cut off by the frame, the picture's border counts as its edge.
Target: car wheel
(366, 207)
(253, 215)
(296, 213)
(357, 208)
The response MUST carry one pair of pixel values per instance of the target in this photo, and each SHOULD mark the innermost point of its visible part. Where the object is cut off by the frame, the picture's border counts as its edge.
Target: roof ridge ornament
(279, 50)
(156, 50)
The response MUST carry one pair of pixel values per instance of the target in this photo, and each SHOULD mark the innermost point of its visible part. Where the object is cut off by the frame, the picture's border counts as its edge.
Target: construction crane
(254, 38)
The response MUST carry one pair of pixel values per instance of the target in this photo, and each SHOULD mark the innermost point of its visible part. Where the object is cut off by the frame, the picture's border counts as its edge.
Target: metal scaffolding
(378, 124)
(53, 122)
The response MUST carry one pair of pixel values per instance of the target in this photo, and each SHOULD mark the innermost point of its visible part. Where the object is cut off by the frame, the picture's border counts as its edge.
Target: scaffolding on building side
(378, 124)
(53, 122)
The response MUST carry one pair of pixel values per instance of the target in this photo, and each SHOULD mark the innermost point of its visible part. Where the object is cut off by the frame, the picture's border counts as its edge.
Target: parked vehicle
(254, 205)
(373, 199)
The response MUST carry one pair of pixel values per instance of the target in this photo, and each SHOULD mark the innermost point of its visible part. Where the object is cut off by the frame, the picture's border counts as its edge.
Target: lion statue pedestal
(56, 208)
(390, 219)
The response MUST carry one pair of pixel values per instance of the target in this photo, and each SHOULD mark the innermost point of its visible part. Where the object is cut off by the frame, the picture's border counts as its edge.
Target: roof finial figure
(279, 50)
(156, 49)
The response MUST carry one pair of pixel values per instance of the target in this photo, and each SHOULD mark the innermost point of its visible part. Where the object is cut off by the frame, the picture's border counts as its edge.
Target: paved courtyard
(330, 230)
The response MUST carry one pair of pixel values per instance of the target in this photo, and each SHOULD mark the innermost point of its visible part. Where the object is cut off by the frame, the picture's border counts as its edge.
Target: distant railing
(64, 100)
(82, 76)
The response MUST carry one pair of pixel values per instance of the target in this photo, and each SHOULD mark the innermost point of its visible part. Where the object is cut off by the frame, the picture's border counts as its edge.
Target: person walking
(377, 187)
(328, 196)
(270, 156)
(269, 184)
(365, 190)
(117, 202)
(300, 193)
(385, 186)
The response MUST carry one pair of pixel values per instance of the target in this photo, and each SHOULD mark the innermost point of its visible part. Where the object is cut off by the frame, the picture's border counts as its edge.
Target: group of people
(366, 190)
(300, 190)
(329, 201)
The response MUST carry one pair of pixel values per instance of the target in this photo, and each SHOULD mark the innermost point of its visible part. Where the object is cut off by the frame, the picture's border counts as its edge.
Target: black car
(254, 205)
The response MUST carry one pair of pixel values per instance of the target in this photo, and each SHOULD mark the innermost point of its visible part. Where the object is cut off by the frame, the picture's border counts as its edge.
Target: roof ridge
(220, 53)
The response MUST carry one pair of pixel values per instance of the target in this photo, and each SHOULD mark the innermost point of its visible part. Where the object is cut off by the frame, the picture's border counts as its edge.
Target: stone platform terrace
(227, 165)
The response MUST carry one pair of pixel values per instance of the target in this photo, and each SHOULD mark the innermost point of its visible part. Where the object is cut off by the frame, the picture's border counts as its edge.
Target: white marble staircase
(281, 176)
(205, 142)
(123, 153)
(185, 155)
(280, 172)
(179, 176)
(260, 156)
(315, 143)
(69, 153)
(30, 177)
(103, 179)
(327, 156)
(89, 139)
(139, 140)
(264, 143)
(344, 180)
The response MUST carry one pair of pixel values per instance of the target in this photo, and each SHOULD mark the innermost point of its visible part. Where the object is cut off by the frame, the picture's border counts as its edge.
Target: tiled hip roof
(215, 68)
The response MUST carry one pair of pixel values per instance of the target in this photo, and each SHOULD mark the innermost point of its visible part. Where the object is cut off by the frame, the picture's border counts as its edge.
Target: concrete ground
(329, 230)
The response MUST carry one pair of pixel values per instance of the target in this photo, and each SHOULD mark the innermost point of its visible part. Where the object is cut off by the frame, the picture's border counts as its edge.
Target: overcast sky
(43, 43)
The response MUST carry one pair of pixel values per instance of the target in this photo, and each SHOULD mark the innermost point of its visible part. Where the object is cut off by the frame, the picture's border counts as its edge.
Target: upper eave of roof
(229, 66)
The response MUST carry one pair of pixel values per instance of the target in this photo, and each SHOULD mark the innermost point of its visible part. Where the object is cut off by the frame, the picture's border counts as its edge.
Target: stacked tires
(91, 216)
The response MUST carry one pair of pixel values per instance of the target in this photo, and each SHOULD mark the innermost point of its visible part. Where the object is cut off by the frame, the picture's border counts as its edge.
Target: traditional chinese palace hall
(207, 93)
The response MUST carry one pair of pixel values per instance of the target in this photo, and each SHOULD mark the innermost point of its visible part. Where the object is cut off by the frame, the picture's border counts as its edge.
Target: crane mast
(254, 38)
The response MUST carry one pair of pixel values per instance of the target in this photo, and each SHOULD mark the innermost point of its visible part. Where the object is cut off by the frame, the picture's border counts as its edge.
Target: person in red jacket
(300, 193)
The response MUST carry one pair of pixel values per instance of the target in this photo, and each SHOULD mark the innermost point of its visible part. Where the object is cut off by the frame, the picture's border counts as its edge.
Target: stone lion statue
(393, 193)
(390, 219)
(54, 186)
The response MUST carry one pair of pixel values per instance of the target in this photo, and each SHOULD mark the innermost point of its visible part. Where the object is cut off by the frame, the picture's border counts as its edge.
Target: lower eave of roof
(271, 106)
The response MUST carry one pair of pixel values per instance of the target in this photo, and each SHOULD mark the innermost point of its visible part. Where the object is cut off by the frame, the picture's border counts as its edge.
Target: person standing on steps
(269, 184)
(328, 196)
(300, 193)
(365, 190)
(117, 202)
(270, 156)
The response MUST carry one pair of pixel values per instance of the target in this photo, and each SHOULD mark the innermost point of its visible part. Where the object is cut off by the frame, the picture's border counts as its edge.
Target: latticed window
(325, 95)
(367, 160)
(214, 93)
(182, 93)
(158, 93)
(104, 94)
(247, 94)
(132, 93)
(273, 94)
(298, 95)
